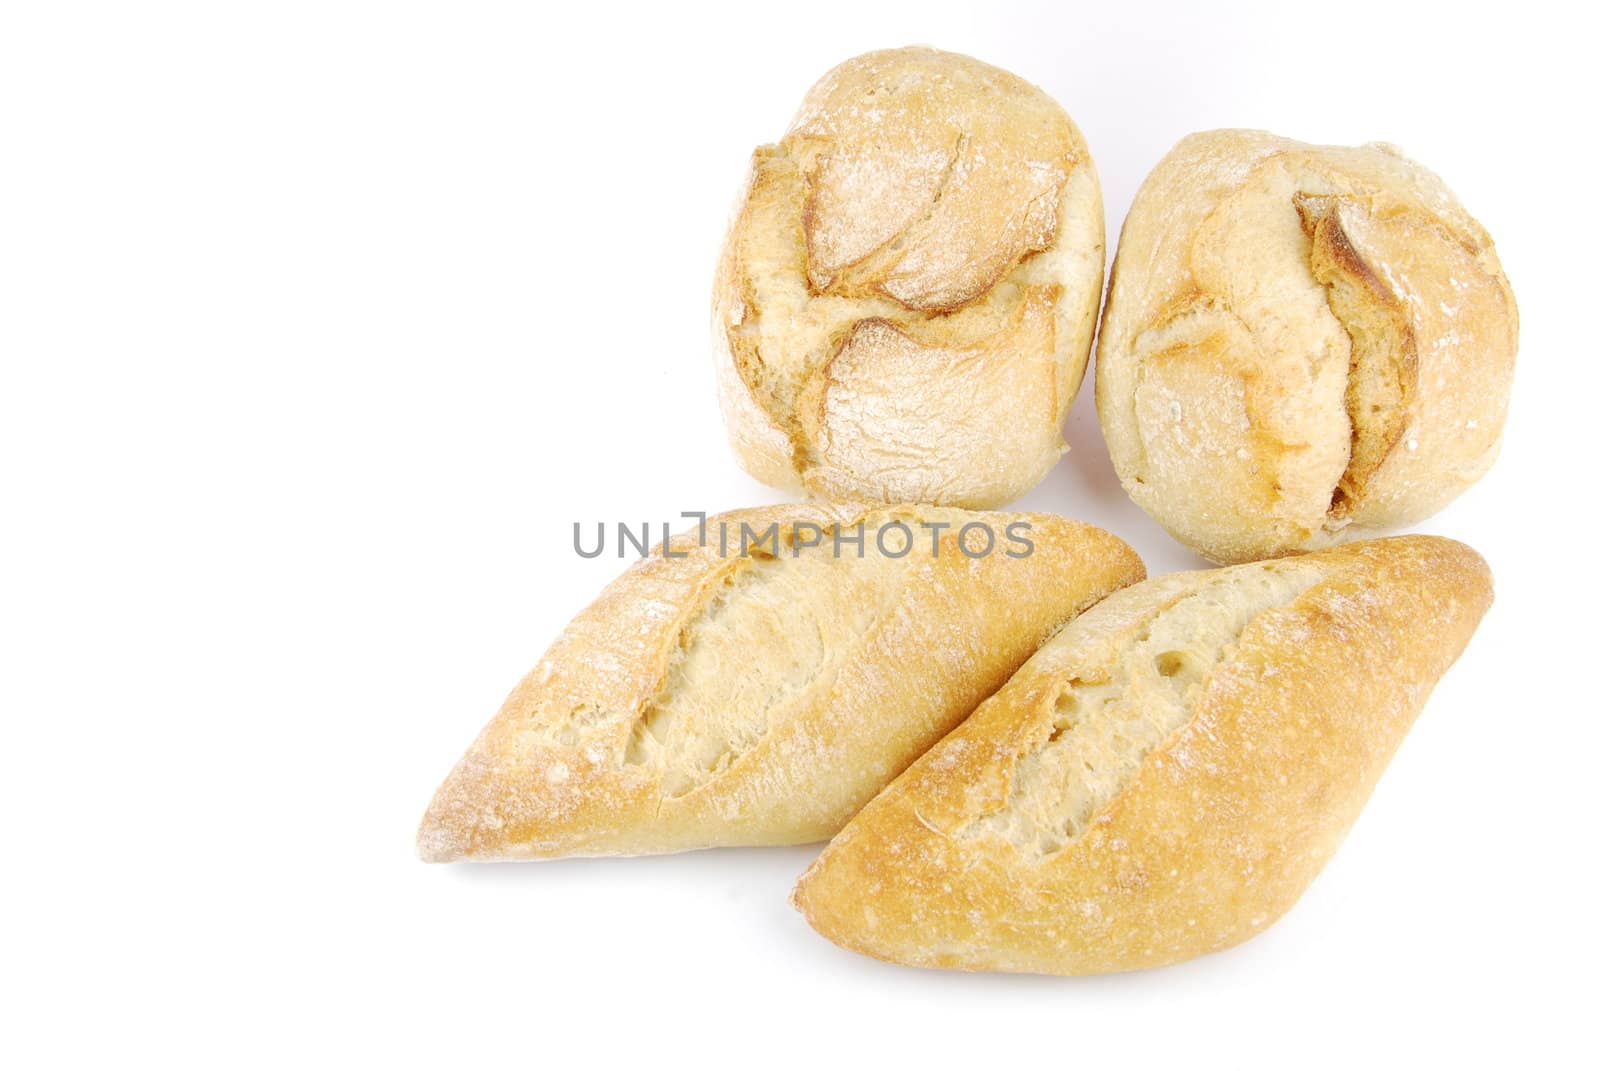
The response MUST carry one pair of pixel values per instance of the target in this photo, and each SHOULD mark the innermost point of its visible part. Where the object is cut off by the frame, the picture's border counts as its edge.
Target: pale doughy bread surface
(727, 699)
(1301, 344)
(907, 295)
(1165, 777)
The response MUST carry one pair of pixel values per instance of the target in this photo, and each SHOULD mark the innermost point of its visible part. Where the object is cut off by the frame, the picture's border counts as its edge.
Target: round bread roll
(906, 298)
(1302, 344)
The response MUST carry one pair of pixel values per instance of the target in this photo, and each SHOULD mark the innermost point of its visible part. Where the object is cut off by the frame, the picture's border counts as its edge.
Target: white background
(322, 323)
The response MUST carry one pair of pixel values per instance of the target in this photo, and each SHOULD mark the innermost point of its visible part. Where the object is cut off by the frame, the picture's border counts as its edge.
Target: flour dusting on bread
(907, 296)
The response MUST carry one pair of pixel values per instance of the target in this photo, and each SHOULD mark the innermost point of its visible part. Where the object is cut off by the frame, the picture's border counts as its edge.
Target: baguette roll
(907, 295)
(1165, 777)
(719, 698)
(1302, 344)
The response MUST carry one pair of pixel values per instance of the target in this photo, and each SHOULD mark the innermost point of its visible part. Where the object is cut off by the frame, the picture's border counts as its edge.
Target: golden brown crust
(1382, 380)
(1041, 836)
(951, 204)
(716, 699)
(1362, 338)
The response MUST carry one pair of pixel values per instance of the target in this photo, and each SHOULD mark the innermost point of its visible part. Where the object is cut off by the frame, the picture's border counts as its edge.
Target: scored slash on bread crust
(1301, 344)
(907, 294)
(1165, 777)
(719, 699)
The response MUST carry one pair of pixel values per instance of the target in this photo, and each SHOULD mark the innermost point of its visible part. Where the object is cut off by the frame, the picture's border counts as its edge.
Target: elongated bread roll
(1165, 777)
(907, 295)
(722, 699)
(1302, 344)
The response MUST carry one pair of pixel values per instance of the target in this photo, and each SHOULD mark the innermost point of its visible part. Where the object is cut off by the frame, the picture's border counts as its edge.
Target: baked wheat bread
(1165, 777)
(907, 295)
(727, 699)
(1301, 344)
